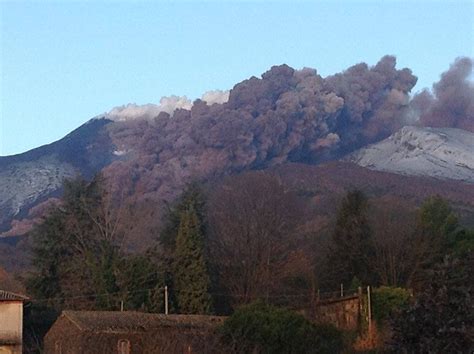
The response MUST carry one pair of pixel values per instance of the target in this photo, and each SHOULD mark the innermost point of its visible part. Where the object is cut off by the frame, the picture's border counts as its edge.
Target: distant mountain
(322, 187)
(149, 153)
(444, 153)
(29, 178)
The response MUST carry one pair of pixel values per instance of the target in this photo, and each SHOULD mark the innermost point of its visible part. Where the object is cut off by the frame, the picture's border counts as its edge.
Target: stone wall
(343, 312)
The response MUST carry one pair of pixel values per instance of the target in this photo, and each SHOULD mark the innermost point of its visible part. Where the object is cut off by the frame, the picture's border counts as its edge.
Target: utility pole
(166, 300)
(359, 294)
(369, 309)
(342, 290)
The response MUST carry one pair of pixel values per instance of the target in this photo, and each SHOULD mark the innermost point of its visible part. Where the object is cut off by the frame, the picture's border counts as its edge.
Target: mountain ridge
(149, 153)
(31, 177)
(446, 153)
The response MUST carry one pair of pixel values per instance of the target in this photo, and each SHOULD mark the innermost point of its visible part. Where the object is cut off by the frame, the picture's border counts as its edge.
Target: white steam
(149, 111)
(216, 96)
(167, 104)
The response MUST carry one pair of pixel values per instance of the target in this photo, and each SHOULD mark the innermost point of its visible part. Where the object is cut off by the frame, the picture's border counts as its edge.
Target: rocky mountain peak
(446, 153)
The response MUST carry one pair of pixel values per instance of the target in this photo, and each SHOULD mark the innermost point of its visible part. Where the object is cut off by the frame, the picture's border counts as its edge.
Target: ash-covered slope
(28, 178)
(445, 153)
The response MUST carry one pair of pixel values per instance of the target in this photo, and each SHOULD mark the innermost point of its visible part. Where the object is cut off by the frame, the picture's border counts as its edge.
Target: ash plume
(286, 115)
(375, 101)
(452, 102)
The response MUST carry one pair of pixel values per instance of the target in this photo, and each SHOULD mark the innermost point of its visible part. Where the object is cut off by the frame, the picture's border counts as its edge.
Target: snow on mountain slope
(32, 180)
(26, 179)
(444, 153)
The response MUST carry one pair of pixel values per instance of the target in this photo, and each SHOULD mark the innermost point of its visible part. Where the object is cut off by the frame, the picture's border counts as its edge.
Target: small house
(11, 322)
(103, 332)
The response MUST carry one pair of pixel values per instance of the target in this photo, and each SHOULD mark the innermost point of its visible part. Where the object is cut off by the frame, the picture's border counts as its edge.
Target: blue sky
(64, 62)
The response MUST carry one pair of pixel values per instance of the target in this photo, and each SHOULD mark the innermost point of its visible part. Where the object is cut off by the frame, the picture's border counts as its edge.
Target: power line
(336, 294)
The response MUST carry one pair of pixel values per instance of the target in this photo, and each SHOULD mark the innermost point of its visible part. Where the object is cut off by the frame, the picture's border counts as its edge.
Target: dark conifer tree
(436, 229)
(191, 197)
(141, 283)
(351, 248)
(48, 252)
(438, 223)
(72, 254)
(190, 273)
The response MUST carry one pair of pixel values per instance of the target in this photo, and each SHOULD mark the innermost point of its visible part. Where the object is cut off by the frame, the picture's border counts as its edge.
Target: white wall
(11, 320)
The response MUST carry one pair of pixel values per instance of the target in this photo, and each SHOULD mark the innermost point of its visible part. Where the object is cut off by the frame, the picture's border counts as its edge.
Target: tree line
(223, 247)
(395, 250)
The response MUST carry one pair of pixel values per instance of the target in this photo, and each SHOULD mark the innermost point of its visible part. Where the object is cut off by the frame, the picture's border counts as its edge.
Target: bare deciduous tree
(253, 223)
(396, 248)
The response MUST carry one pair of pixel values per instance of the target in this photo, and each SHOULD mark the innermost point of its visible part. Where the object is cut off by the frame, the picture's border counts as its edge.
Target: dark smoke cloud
(376, 99)
(452, 102)
(286, 115)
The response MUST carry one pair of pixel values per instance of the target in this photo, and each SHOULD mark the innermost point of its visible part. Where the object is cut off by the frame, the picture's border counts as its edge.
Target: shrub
(387, 300)
(266, 329)
(441, 320)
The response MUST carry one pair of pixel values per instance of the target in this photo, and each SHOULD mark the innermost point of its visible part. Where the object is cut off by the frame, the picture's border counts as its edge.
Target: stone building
(77, 332)
(11, 322)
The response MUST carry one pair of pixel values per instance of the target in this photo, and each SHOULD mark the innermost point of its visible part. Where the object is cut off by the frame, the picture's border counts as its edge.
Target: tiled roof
(127, 321)
(9, 296)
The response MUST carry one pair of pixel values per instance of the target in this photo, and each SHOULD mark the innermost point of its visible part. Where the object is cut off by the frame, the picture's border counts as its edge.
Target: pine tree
(191, 197)
(71, 254)
(351, 247)
(190, 274)
(141, 283)
(438, 223)
(48, 252)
